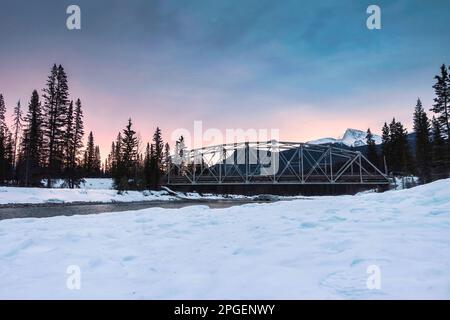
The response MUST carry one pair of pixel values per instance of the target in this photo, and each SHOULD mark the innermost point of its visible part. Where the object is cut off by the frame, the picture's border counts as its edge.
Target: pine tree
(127, 156)
(167, 158)
(3, 125)
(439, 152)
(97, 162)
(423, 143)
(157, 158)
(118, 152)
(129, 148)
(147, 168)
(399, 153)
(441, 105)
(89, 161)
(56, 103)
(68, 145)
(9, 152)
(386, 143)
(32, 143)
(111, 160)
(372, 154)
(3, 135)
(74, 143)
(159, 146)
(17, 127)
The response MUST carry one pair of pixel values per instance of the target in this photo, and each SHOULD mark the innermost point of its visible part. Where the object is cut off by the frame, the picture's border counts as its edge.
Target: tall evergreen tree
(17, 127)
(32, 143)
(3, 125)
(127, 153)
(423, 143)
(386, 144)
(372, 154)
(157, 158)
(439, 152)
(76, 144)
(441, 106)
(111, 160)
(3, 135)
(89, 161)
(97, 161)
(167, 158)
(56, 100)
(68, 137)
(400, 156)
(148, 183)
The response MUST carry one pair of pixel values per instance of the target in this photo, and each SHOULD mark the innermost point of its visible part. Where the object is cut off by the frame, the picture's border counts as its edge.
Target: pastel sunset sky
(308, 68)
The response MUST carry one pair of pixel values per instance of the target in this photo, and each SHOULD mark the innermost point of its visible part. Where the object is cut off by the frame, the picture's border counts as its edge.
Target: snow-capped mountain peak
(351, 138)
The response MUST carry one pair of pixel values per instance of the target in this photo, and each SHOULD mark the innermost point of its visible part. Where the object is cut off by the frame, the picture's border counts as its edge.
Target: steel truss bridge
(274, 167)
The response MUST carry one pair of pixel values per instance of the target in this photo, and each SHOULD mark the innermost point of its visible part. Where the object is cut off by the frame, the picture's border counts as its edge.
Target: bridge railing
(273, 162)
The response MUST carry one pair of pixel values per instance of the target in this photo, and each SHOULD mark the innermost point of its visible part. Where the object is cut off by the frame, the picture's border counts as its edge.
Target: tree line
(427, 154)
(46, 143)
(132, 169)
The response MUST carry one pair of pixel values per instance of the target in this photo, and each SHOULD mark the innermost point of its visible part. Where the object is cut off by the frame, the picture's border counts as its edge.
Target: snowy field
(12, 195)
(300, 249)
(92, 190)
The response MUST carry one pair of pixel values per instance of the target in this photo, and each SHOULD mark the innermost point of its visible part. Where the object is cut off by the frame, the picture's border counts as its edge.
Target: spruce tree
(32, 148)
(77, 144)
(68, 146)
(439, 152)
(127, 154)
(386, 143)
(157, 157)
(167, 158)
(89, 161)
(9, 154)
(17, 127)
(147, 168)
(111, 160)
(3, 125)
(372, 154)
(423, 143)
(399, 152)
(56, 103)
(3, 135)
(441, 106)
(97, 162)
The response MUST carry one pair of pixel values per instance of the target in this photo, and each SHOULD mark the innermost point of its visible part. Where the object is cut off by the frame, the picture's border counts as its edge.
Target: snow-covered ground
(12, 195)
(319, 248)
(88, 183)
(92, 190)
(97, 183)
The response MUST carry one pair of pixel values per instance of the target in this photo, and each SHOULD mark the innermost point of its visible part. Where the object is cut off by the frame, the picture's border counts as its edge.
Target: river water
(52, 210)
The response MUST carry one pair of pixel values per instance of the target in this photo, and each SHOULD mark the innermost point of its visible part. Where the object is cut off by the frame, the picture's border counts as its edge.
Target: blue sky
(308, 68)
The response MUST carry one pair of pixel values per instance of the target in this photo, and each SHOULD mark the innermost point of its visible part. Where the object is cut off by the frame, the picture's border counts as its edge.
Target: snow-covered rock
(351, 138)
(323, 247)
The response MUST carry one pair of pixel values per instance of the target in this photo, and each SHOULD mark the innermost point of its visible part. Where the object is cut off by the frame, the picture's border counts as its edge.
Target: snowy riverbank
(317, 248)
(92, 190)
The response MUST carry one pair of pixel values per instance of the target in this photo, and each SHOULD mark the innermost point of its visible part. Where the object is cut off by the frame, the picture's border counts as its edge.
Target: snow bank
(12, 195)
(97, 183)
(318, 248)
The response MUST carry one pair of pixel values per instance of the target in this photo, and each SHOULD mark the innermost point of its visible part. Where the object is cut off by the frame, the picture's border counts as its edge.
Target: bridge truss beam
(273, 162)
